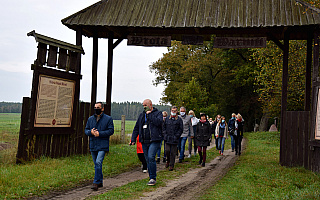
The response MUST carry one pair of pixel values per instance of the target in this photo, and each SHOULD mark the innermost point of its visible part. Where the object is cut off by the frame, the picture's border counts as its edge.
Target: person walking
(203, 138)
(164, 115)
(231, 129)
(172, 130)
(187, 126)
(221, 133)
(213, 126)
(149, 129)
(238, 133)
(99, 128)
(194, 122)
(141, 156)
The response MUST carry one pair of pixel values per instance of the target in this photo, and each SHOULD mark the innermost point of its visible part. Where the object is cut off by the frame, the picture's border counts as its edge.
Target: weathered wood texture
(295, 132)
(33, 145)
(124, 16)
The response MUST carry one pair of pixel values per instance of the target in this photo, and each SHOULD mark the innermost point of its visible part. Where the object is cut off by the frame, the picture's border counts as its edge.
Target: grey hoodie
(187, 126)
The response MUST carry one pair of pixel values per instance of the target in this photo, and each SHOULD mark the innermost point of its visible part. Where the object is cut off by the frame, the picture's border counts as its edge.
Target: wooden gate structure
(58, 63)
(277, 20)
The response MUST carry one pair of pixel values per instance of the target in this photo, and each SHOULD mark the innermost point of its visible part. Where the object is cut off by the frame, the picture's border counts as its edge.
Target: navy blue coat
(105, 128)
(156, 119)
(172, 129)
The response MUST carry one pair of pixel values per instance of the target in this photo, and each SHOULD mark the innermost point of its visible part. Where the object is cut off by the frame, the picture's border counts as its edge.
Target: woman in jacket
(221, 133)
(194, 121)
(238, 134)
(172, 130)
(203, 138)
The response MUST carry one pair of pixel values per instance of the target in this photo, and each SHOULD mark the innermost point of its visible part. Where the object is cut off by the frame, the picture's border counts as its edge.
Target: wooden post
(123, 129)
(109, 75)
(94, 73)
(284, 96)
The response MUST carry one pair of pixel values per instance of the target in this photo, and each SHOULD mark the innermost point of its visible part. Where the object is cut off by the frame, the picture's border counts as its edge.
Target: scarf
(203, 121)
(222, 125)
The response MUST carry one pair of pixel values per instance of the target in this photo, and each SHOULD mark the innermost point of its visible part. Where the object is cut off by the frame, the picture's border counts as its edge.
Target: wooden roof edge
(308, 6)
(54, 42)
(81, 11)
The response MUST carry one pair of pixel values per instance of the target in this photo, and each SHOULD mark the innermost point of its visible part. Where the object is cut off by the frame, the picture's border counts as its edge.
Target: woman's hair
(164, 113)
(191, 112)
(239, 116)
(221, 120)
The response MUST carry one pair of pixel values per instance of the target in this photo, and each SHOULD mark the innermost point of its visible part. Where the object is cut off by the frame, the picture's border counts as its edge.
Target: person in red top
(141, 156)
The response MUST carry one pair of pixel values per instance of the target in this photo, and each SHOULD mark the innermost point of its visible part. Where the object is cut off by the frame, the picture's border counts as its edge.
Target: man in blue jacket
(99, 128)
(149, 129)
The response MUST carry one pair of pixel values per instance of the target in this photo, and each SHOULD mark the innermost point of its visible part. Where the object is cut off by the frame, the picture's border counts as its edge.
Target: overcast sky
(132, 80)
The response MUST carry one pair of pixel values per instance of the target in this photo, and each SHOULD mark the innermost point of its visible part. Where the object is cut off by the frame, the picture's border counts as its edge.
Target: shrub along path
(186, 187)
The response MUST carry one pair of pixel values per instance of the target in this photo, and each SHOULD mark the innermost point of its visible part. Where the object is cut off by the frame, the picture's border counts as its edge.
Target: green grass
(258, 175)
(46, 174)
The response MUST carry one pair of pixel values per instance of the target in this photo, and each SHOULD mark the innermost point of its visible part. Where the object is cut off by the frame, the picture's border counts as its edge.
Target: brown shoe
(95, 187)
(167, 164)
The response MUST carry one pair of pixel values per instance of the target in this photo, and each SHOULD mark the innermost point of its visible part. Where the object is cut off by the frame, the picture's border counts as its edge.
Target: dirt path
(185, 187)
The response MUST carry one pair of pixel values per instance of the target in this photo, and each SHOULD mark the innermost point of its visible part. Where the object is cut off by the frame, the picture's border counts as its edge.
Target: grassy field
(9, 135)
(258, 175)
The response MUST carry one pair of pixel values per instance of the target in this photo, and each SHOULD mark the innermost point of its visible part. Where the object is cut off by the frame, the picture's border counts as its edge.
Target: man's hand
(132, 143)
(148, 112)
(95, 132)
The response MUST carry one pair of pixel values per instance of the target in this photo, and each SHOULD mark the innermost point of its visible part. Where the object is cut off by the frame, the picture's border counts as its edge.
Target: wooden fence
(61, 143)
(294, 139)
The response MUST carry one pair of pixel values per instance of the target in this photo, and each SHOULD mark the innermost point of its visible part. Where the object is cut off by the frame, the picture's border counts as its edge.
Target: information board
(54, 102)
(317, 128)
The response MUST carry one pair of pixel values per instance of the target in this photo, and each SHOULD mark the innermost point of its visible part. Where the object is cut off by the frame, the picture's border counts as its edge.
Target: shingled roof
(201, 17)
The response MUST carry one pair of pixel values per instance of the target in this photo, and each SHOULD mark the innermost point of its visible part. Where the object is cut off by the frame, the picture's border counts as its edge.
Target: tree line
(130, 109)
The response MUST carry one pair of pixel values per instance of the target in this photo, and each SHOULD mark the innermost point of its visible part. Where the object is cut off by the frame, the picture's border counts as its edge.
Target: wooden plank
(307, 96)
(161, 13)
(288, 12)
(181, 14)
(73, 61)
(62, 62)
(261, 13)
(42, 53)
(208, 14)
(268, 13)
(295, 13)
(192, 11)
(85, 119)
(55, 146)
(283, 133)
(117, 11)
(306, 149)
(294, 137)
(52, 56)
(141, 13)
(79, 132)
(255, 13)
(135, 10)
(21, 153)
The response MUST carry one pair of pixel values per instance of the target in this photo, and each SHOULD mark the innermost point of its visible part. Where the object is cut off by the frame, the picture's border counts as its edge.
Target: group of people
(154, 127)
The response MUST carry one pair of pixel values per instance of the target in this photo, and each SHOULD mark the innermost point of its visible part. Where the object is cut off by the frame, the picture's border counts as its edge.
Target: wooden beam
(94, 73)
(117, 43)
(109, 75)
(79, 42)
(284, 96)
(276, 41)
(307, 96)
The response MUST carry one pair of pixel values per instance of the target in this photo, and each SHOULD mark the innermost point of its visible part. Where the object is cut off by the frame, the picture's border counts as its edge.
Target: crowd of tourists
(154, 127)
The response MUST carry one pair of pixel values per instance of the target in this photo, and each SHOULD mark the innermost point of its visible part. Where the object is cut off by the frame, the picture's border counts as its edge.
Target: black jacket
(203, 134)
(155, 121)
(172, 129)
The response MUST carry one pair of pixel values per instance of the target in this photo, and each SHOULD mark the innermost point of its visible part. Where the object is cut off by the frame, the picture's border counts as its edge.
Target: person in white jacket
(221, 133)
(194, 122)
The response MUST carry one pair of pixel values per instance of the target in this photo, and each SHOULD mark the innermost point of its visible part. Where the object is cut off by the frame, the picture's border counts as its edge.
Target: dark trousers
(203, 157)
(143, 161)
(171, 151)
(238, 140)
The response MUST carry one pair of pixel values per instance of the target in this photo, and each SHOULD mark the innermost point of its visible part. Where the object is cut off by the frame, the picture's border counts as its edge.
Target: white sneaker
(189, 156)
(144, 171)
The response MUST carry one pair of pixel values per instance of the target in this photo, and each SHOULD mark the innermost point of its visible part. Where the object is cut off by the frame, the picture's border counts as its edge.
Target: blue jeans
(232, 142)
(159, 151)
(150, 151)
(98, 157)
(182, 142)
(221, 143)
